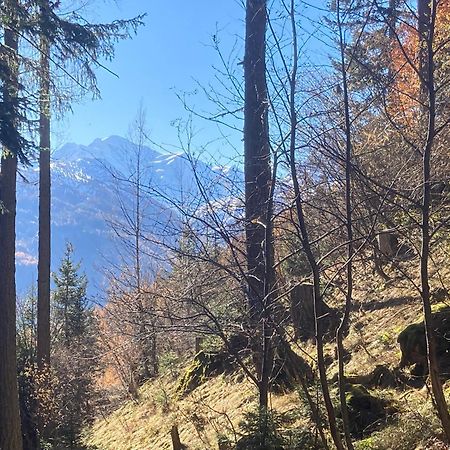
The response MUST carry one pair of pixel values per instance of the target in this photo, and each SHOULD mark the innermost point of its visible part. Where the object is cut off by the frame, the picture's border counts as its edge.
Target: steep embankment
(381, 311)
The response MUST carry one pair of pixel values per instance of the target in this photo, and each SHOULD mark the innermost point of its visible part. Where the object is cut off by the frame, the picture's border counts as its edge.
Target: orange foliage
(404, 97)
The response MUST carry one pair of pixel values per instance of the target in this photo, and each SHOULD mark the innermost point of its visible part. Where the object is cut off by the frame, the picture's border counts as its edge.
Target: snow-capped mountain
(93, 192)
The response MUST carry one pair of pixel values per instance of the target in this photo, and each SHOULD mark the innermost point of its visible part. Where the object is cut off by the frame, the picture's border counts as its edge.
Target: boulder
(204, 365)
(414, 347)
(366, 412)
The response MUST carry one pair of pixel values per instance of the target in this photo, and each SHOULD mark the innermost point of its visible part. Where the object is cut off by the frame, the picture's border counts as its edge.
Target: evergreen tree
(69, 301)
(10, 433)
(74, 355)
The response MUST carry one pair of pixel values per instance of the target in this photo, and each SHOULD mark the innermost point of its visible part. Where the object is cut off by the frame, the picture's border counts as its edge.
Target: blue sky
(166, 56)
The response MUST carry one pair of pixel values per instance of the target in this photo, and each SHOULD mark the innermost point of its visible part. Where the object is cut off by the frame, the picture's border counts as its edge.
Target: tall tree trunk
(349, 226)
(427, 18)
(258, 178)
(43, 316)
(318, 303)
(10, 432)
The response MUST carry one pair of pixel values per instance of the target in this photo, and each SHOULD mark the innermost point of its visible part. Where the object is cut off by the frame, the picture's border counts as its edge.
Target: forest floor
(216, 408)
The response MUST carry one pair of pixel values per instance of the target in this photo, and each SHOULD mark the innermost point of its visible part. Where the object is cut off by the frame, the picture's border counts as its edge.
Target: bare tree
(427, 22)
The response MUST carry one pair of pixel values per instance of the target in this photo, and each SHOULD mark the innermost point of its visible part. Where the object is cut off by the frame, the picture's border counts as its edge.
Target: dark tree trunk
(427, 17)
(258, 184)
(43, 313)
(10, 432)
(175, 435)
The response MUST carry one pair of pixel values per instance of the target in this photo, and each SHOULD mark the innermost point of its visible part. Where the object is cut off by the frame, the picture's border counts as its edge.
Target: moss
(438, 307)
(204, 365)
(366, 411)
(413, 343)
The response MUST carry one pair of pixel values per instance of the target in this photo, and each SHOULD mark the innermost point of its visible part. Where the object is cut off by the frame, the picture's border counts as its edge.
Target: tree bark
(43, 313)
(10, 429)
(427, 16)
(258, 185)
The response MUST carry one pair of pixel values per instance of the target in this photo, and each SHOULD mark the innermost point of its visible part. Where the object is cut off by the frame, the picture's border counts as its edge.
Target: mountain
(92, 187)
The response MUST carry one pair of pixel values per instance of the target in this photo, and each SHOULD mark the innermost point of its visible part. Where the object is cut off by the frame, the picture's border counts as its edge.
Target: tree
(74, 360)
(44, 257)
(77, 47)
(258, 192)
(427, 21)
(10, 434)
(69, 300)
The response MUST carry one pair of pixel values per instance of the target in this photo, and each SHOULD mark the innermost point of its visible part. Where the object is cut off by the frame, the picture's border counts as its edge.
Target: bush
(261, 431)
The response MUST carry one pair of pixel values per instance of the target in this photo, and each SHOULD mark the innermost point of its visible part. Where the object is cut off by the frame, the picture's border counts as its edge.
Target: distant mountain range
(92, 188)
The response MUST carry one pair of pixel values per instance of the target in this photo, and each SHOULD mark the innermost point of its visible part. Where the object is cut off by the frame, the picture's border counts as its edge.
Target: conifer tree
(69, 300)
(10, 434)
(73, 360)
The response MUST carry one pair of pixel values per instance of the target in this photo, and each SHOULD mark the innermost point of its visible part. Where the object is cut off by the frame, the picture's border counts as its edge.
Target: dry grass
(216, 407)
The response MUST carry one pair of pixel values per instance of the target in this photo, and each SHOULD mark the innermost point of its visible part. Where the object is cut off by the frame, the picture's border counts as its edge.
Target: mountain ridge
(85, 181)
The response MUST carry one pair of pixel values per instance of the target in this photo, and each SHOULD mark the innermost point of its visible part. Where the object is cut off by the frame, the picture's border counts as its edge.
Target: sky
(171, 54)
(166, 56)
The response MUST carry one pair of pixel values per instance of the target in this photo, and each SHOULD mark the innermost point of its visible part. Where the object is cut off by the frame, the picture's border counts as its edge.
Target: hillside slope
(381, 311)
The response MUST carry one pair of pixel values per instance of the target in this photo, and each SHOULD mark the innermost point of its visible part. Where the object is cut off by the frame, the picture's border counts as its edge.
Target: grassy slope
(216, 407)
(212, 409)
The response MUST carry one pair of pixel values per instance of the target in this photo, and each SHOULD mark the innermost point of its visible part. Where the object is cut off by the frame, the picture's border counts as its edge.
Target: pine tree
(43, 342)
(69, 300)
(10, 433)
(73, 357)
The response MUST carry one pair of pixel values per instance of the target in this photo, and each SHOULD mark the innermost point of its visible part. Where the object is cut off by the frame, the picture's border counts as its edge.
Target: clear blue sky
(167, 54)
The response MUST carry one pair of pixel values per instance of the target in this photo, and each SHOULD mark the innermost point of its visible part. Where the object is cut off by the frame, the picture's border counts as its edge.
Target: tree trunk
(387, 243)
(176, 442)
(349, 228)
(306, 244)
(258, 184)
(43, 313)
(10, 429)
(427, 16)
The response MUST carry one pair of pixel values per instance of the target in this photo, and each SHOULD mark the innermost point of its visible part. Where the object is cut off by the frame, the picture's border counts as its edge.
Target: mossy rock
(414, 347)
(366, 411)
(204, 365)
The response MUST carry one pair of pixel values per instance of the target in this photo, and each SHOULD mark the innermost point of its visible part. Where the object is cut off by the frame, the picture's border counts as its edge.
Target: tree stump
(302, 313)
(387, 243)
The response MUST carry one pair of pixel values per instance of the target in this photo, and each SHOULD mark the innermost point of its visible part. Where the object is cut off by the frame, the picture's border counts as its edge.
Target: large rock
(414, 347)
(366, 412)
(204, 365)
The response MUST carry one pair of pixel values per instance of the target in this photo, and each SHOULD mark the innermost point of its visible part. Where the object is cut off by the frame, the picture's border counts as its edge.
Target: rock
(204, 365)
(414, 348)
(366, 412)
(381, 377)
